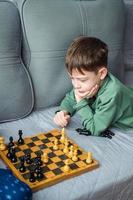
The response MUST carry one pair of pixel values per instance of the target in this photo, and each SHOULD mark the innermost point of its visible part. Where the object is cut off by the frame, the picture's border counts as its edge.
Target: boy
(97, 96)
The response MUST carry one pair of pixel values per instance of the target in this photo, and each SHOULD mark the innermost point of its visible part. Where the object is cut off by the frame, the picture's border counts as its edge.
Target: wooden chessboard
(53, 171)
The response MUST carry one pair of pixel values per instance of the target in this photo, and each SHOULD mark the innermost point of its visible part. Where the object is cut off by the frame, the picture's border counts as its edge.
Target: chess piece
(38, 160)
(71, 152)
(13, 156)
(28, 158)
(20, 140)
(75, 158)
(89, 158)
(55, 147)
(32, 176)
(39, 174)
(22, 167)
(2, 145)
(45, 157)
(66, 167)
(62, 139)
(65, 150)
(11, 143)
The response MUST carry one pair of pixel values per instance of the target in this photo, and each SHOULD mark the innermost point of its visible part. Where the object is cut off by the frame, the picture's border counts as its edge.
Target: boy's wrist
(66, 112)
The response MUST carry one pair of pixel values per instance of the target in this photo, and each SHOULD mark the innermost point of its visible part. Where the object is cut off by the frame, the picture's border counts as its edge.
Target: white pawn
(55, 147)
(75, 158)
(45, 157)
(65, 150)
(71, 152)
(66, 167)
(2, 145)
(89, 158)
(62, 139)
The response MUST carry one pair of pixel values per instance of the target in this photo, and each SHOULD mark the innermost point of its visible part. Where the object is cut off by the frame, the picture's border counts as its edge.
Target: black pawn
(22, 167)
(13, 156)
(39, 175)
(11, 143)
(20, 140)
(28, 158)
(32, 177)
(9, 153)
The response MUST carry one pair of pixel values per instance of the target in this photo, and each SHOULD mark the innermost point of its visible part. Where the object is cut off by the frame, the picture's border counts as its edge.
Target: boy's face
(84, 83)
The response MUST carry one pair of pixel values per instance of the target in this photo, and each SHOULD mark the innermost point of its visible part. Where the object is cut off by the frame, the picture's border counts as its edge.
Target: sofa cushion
(16, 95)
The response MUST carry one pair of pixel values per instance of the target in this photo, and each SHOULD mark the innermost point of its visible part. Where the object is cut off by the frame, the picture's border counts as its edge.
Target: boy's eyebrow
(85, 77)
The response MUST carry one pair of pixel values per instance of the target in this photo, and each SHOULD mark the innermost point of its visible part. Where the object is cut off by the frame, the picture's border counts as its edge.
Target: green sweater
(112, 106)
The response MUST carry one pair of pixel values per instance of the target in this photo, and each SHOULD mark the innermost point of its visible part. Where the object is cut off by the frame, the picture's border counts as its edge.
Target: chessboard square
(31, 144)
(22, 147)
(17, 149)
(42, 146)
(49, 135)
(79, 152)
(35, 148)
(27, 140)
(50, 144)
(45, 169)
(45, 140)
(47, 150)
(35, 138)
(51, 155)
(20, 154)
(33, 155)
(38, 153)
(56, 159)
(57, 171)
(52, 166)
(58, 152)
(60, 164)
(83, 156)
(81, 164)
(49, 175)
(73, 166)
(27, 151)
(39, 142)
(41, 136)
(63, 157)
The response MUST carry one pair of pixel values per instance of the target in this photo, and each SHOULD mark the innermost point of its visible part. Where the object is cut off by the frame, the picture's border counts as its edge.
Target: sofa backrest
(48, 28)
(16, 94)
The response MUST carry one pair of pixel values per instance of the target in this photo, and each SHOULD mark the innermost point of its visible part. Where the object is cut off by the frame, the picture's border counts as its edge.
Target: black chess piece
(38, 160)
(28, 158)
(39, 175)
(22, 167)
(13, 156)
(20, 140)
(11, 143)
(32, 177)
(9, 153)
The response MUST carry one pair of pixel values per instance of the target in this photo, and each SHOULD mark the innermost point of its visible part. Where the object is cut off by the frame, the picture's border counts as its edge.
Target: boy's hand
(88, 94)
(61, 118)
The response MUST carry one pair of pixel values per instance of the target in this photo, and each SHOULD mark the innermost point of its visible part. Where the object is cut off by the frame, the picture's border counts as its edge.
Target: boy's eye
(83, 80)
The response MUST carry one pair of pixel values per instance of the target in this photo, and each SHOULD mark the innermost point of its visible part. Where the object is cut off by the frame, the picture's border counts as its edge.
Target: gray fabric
(16, 98)
(128, 44)
(112, 180)
(50, 26)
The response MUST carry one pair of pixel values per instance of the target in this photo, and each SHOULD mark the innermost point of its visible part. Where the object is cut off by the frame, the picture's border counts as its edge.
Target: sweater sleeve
(100, 119)
(68, 103)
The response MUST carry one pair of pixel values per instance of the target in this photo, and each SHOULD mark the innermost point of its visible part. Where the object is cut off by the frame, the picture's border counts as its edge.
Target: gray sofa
(34, 36)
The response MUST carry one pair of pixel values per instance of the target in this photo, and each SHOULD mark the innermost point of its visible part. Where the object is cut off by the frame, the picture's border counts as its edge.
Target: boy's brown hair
(86, 53)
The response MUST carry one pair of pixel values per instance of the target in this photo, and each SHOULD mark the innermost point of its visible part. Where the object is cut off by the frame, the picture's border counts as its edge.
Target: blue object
(11, 188)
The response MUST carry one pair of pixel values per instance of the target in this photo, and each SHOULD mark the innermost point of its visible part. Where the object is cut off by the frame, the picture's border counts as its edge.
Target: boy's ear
(103, 72)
